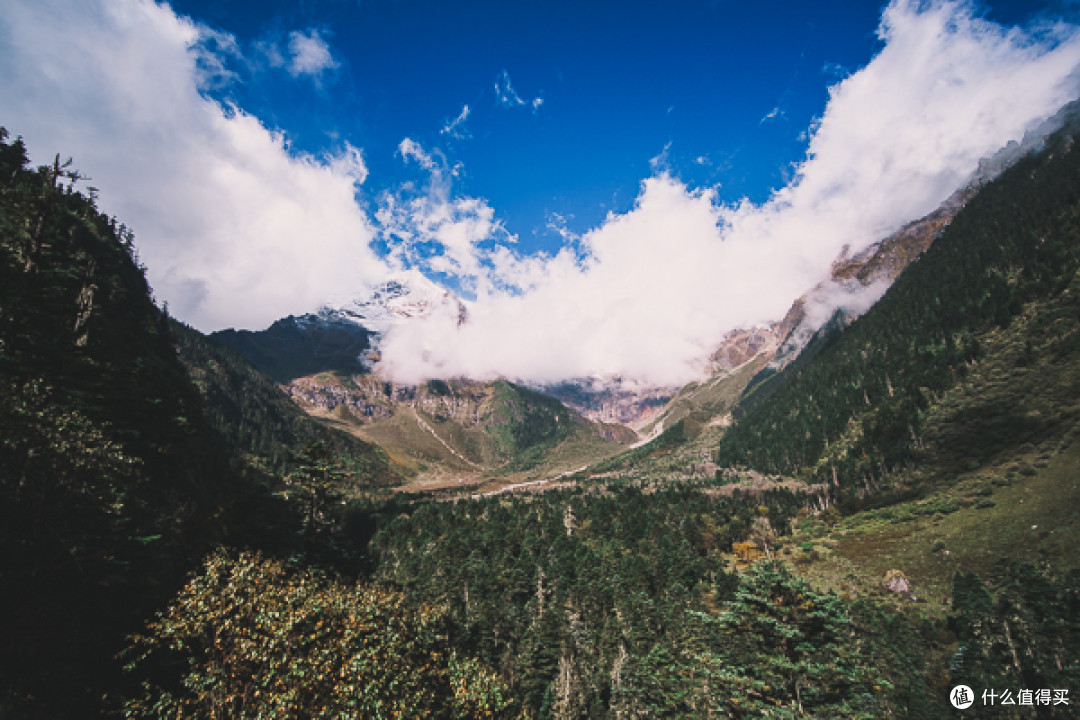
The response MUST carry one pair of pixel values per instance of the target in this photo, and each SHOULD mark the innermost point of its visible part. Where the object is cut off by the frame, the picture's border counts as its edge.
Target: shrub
(256, 640)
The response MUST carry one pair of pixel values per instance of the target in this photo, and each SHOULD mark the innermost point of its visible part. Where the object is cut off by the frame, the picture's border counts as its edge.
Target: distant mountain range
(344, 336)
(452, 427)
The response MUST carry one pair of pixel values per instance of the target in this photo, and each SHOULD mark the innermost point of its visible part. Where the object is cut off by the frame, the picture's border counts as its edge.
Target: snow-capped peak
(404, 296)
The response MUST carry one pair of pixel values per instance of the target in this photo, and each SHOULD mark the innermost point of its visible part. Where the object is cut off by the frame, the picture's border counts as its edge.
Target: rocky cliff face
(743, 345)
(474, 426)
(365, 399)
(368, 398)
(858, 281)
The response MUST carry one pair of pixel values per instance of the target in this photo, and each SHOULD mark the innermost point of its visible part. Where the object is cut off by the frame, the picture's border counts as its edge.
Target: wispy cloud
(455, 128)
(217, 54)
(508, 97)
(835, 70)
(433, 230)
(410, 150)
(300, 54)
(505, 92)
(776, 112)
(309, 54)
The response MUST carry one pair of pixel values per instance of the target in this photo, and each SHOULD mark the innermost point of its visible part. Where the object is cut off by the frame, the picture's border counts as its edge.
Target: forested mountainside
(256, 419)
(297, 346)
(111, 483)
(1001, 281)
(117, 476)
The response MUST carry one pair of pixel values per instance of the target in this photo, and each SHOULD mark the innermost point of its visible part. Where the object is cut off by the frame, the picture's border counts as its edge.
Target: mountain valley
(856, 508)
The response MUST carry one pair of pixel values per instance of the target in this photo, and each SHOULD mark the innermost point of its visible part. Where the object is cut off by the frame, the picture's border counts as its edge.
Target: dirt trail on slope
(532, 483)
(422, 423)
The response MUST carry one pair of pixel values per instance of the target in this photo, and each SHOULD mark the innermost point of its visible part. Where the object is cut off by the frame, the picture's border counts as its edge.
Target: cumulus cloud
(236, 229)
(634, 306)
(658, 285)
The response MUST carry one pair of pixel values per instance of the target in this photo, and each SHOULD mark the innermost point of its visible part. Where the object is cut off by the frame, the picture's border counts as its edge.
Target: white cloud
(234, 228)
(349, 163)
(637, 305)
(435, 231)
(310, 54)
(409, 149)
(214, 52)
(300, 53)
(661, 283)
(270, 53)
(661, 162)
(771, 115)
(508, 96)
(456, 128)
(505, 92)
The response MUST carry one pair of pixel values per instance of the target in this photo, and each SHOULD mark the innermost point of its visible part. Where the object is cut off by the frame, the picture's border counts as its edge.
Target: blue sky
(723, 92)
(610, 186)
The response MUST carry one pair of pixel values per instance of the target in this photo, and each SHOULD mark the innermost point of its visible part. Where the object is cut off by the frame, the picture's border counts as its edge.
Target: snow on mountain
(405, 296)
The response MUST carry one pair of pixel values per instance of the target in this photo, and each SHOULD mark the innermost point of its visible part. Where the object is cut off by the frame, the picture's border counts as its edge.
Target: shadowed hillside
(111, 481)
(118, 474)
(256, 418)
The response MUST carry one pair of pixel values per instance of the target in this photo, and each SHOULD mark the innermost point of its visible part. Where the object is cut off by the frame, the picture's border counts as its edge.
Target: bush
(256, 640)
